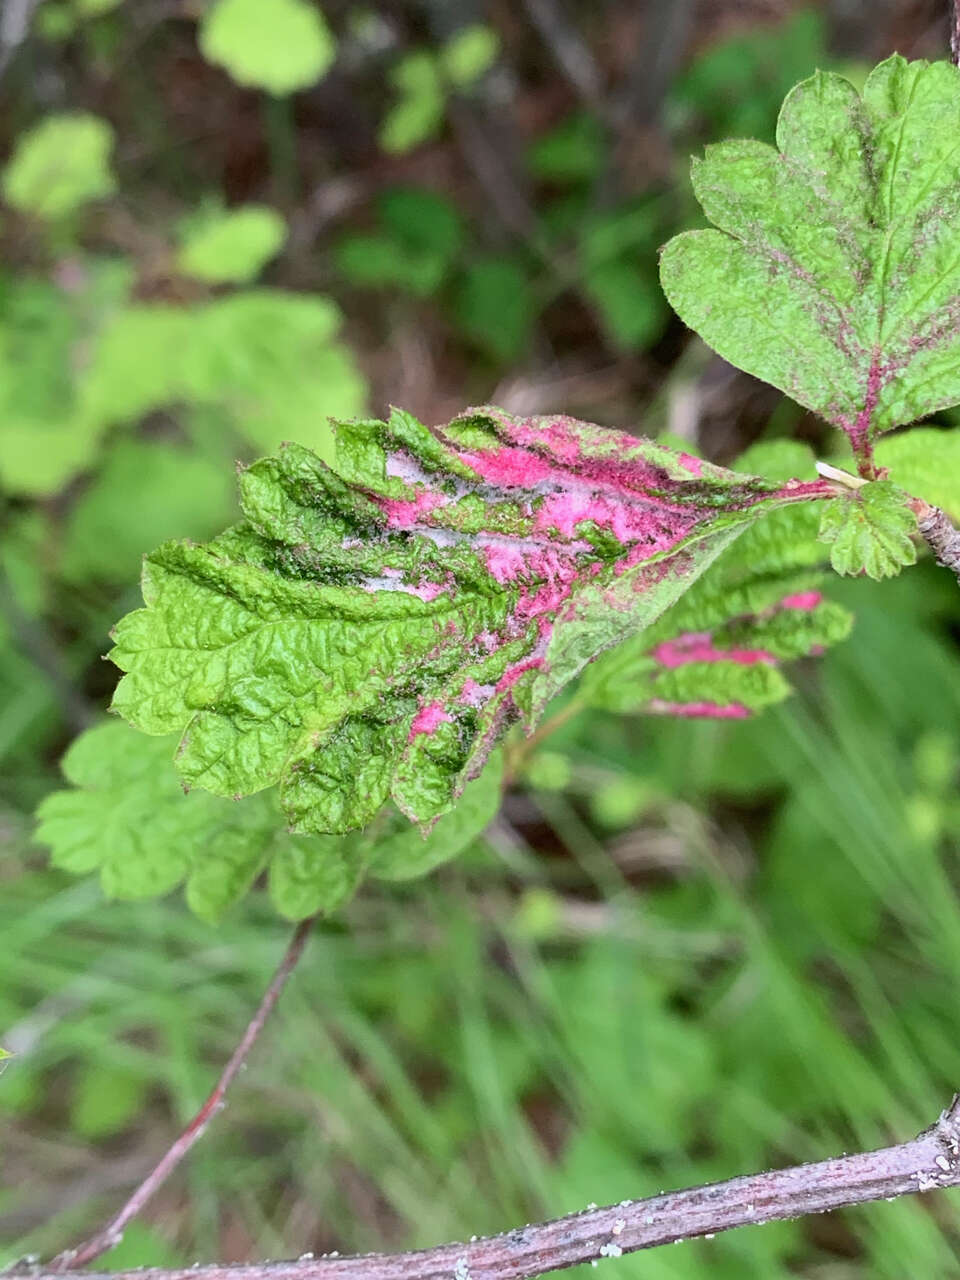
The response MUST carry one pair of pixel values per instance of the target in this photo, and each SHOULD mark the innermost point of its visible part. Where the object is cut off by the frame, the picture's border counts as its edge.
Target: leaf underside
(373, 626)
(834, 271)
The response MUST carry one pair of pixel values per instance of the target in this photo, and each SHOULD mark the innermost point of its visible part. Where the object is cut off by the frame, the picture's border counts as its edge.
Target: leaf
(374, 625)
(494, 306)
(146, 491)
(834, 273)
(422, 234)
(277, 45)
(735, 86)
(314, 873)
(129, 818)
(106, 1099)
(266, 355)
(869, 532)
(718, 652)
(418, 112)
(45, 335)
(60, 164)
(469, 55)
(233, 247)
(575, 151)
(926, 463)
(402, 853)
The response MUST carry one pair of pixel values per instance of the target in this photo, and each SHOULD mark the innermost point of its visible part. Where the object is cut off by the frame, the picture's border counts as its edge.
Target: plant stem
(939, 533)
(929, 1161)
(955, 33)
(112, 1233)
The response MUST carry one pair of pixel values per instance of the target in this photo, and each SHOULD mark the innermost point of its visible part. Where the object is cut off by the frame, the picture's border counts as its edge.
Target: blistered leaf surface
(833, 271)
(374, 625)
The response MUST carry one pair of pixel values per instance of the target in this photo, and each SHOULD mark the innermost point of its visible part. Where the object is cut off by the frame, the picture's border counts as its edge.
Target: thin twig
(955, 33)
(112, 1233)
(930, 1161)
(939, 533)
(570, 50)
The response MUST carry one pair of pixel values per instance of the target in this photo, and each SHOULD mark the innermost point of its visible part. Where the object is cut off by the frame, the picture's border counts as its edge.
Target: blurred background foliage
(683, 950)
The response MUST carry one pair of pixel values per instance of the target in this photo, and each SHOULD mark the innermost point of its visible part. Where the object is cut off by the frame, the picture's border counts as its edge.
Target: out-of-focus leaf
(128, 817)
(233, 247)
(60, 164)
(45, 336)
(926, 463)
(575, 151)
(469, 54)
(734, 88)
(417, 114)
(402, 852)
(422, 233)
(145, 492)
(494, 306)
(105, 1100)
(277, 45)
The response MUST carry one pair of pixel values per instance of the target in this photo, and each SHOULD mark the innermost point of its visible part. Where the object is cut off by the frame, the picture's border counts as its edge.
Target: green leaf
(45, 335)
(833, 273)
(718, 652)
(145, 492)
(105, 1100)
(265, 355)
(869, 532)
(926, 463)
(60, 164)
(402, 853)
(280, 46)
(418, 112)
(469, 55)
(575, 151)
(629, 301)
(314, 873)
(233, 247)
(423, 234)
(375, 624)
(735, 86)
(494, 306)
(128, 817)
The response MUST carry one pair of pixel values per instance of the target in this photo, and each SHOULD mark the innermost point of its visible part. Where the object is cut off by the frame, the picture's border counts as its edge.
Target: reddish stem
(112, 1233)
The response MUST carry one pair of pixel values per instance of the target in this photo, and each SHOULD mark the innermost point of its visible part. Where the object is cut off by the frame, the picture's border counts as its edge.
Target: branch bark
(112, 1233)
(939, 533)
(929, 1161)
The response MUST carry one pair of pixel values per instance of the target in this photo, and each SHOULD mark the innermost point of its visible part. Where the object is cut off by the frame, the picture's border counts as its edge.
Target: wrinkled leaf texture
(374, 625)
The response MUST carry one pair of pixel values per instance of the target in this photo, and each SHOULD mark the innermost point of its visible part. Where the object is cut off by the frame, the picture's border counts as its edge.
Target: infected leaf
(375, 625)
(833, 271)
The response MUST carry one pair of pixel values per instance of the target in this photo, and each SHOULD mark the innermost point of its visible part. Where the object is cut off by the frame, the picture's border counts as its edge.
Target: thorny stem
(929, 1161)
(112, 1233)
